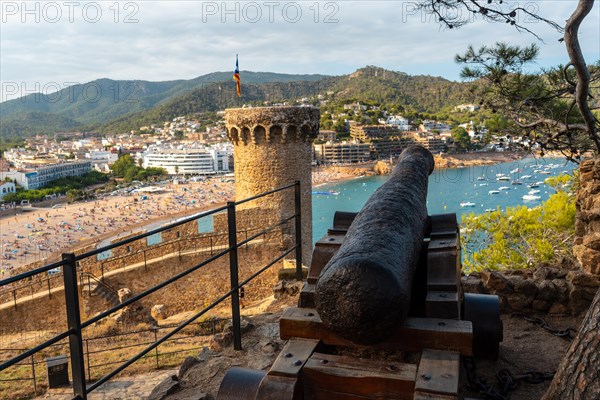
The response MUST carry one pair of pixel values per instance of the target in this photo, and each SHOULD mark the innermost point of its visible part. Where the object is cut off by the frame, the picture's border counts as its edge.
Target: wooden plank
(325, 248)
(443, 224)
(369, 379)
(431, 396)
(331, 240)
(313, 393)
(444, 243)
(278, 388)
(343, 219)
(442, 305)
(293, 356)
(307, 296)
(438, 372)
(443, 270)
(415, 334)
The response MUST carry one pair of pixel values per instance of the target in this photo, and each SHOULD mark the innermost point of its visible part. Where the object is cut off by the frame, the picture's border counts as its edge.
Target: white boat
(516, 183)
(481, 178)
(503, 178)
(539, 183)
(545, 172)
(329, 193)
(493, 192)
(484, 184)
(489, 210)
(530, 197)
(499, 175)
(467, 204)
(533, 185)
(503, 188)
(526, 177)
(514, 171)
(533, 191)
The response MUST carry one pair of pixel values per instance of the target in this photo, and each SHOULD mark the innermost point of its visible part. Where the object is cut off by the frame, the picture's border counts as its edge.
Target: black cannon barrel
(363, 293)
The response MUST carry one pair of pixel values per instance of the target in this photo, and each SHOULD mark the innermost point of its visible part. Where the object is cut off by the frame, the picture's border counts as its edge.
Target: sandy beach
(45, 233)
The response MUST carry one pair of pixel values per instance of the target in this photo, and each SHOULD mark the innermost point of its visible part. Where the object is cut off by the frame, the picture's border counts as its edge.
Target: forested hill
(122, 106)
(102, 101)
(421, 92)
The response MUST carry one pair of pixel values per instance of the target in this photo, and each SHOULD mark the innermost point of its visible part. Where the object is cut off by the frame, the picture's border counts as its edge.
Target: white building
(41, 176)
(102, 156)
(6, 188)
(398, 121)
(191, 161)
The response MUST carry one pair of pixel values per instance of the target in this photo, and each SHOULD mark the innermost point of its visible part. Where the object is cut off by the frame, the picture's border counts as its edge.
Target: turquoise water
(447, 189)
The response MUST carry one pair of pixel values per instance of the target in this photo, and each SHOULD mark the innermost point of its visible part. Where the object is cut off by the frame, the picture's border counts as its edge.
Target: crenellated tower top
(265, 125)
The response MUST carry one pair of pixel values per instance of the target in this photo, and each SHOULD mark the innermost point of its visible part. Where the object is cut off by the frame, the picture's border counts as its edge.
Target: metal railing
(207, 328)
(71, 284)
(50, 282)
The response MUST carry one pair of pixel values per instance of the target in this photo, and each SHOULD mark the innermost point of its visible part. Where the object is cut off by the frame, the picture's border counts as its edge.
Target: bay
(448, 188)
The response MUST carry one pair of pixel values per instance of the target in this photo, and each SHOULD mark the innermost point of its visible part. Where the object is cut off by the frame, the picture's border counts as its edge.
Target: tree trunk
(582, 87)
(578, 375)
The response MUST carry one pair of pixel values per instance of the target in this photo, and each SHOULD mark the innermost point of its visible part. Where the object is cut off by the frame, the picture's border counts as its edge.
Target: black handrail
(32, 273)
(69, 264)
(155, 247)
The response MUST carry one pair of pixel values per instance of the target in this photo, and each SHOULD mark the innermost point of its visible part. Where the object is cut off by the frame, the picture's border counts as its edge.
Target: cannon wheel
(483, 310)
(240, 384)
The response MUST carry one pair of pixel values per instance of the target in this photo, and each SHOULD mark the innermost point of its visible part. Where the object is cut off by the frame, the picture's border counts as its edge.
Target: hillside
(106, 105)
(425, 93)
(101, 101)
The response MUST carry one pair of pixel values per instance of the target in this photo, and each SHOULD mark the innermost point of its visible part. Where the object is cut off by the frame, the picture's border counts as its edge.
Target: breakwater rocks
(553, 290)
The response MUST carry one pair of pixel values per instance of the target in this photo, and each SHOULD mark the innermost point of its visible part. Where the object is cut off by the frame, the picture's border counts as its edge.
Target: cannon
(364, 291)
(382, 281)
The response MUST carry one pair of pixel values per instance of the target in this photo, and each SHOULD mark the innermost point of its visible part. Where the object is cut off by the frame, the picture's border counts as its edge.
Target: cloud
(166, 40)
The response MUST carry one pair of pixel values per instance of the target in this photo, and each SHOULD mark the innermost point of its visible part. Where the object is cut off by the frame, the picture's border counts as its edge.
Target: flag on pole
(236, 78)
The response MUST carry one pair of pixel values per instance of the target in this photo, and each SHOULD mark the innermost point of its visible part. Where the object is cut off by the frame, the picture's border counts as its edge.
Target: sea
(475, 189)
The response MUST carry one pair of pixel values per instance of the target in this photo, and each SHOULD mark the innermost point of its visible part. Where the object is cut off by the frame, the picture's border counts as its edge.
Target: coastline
(345, 172)
(113, 216)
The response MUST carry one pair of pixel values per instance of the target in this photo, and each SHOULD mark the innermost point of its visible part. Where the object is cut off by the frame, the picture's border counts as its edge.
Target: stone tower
(273, 148)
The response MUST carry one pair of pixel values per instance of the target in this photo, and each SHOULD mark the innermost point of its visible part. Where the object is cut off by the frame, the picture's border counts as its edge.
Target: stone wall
(273, 148)
(587, 225)
(555, 290)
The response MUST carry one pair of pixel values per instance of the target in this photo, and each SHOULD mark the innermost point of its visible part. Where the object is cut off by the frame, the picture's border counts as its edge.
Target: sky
(48, 45)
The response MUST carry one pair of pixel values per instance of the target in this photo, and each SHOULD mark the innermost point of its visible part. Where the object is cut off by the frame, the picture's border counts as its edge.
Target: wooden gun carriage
(383, 282)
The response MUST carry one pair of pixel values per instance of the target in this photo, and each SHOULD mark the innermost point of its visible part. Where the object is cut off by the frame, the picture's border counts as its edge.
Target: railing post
(298, 220)
(156, 348)
(33, 374)
(233, 275)
(87, 353)
(74, 325)
(145, 262)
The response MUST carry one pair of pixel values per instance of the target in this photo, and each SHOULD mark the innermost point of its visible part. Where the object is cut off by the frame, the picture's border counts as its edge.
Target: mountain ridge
(107, 105)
